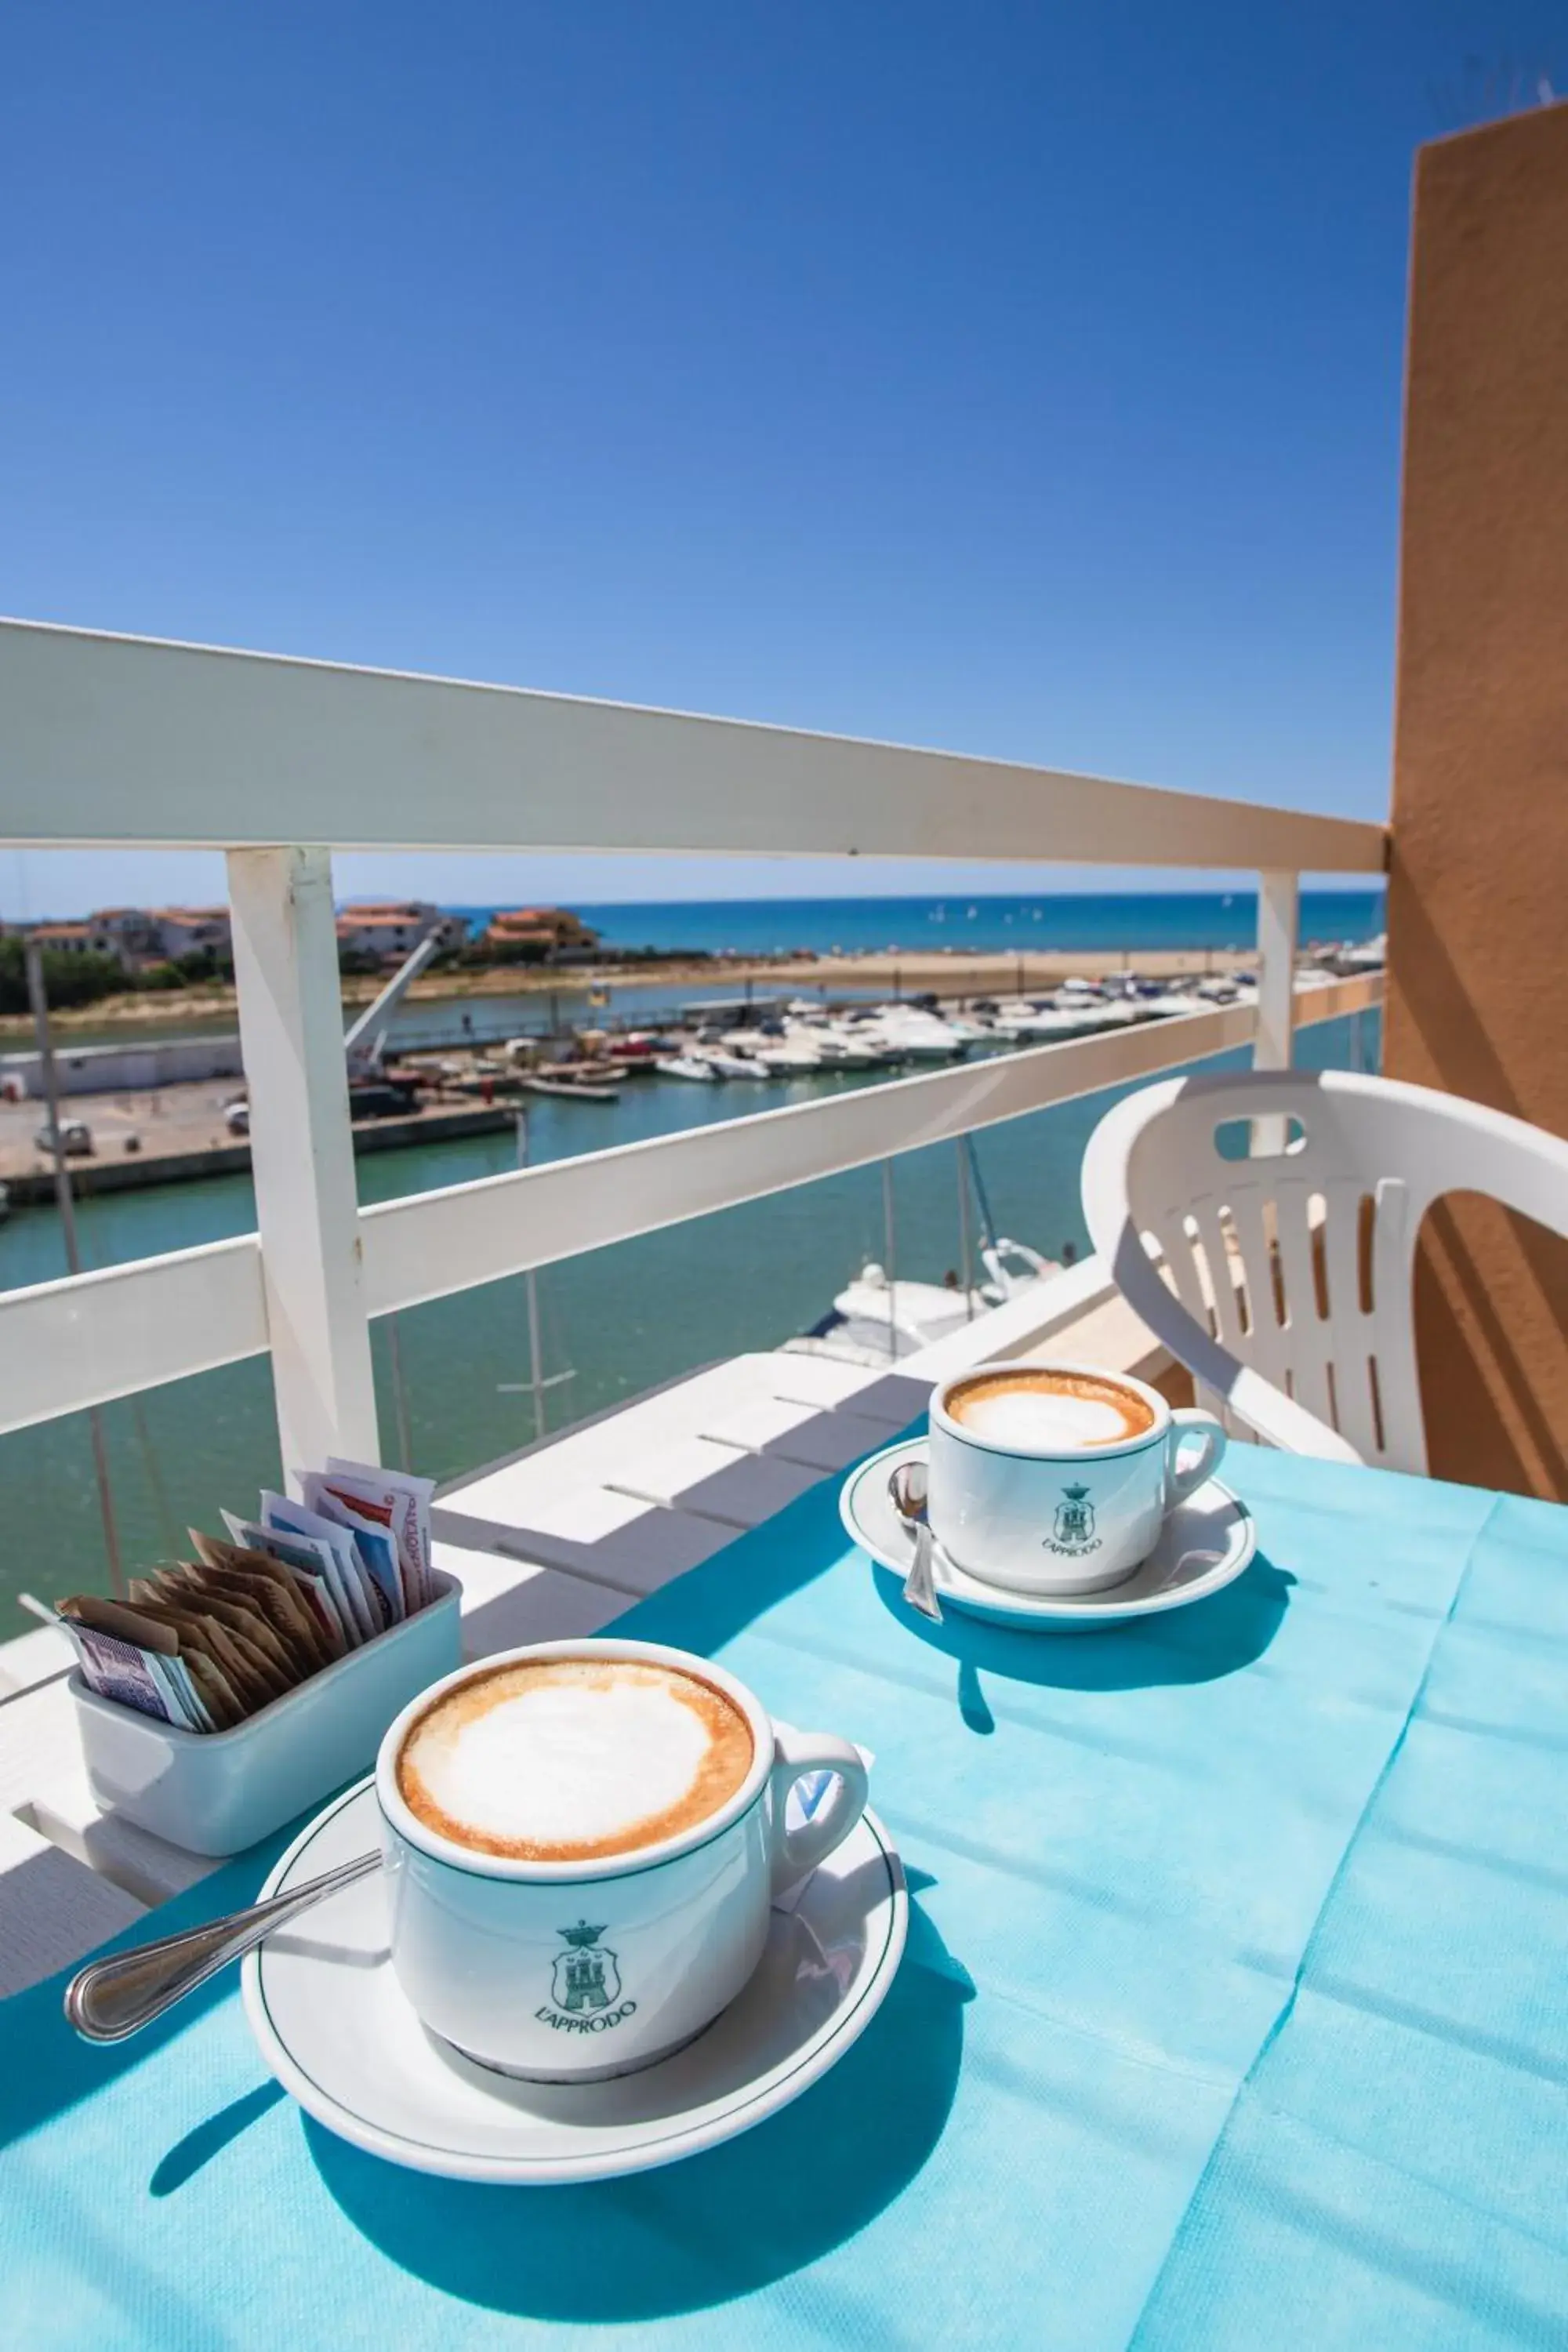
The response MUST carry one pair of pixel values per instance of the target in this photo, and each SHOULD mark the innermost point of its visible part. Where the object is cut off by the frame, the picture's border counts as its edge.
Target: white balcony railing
(127, 742)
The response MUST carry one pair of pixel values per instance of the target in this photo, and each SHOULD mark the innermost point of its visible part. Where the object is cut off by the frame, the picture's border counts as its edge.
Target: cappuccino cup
(1056, 1478)
(583, 1841)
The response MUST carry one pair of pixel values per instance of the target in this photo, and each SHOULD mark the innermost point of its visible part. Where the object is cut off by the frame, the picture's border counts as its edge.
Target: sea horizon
(960, 921)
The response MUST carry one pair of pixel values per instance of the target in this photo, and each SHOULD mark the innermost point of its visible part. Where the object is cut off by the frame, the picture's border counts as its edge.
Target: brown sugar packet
(321, 1611)
(125, 1624)
(217, 1694)
(240, 1695)
(259, 1567)
(294, 1638)
(243, 1618)
(240, 1661)
(254, 1603)
(203, 1637)
(230, 1644)
(268, 1584)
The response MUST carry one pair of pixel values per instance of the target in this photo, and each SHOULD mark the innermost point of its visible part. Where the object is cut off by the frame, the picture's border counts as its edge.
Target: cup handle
(1188, 1422)
(797, 1852)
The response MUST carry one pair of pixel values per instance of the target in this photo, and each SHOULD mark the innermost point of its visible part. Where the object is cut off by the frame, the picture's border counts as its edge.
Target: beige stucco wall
(1479, 893)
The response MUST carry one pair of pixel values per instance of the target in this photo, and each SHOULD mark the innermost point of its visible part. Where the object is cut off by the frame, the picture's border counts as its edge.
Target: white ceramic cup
(1060, 1518)
(572, 1971)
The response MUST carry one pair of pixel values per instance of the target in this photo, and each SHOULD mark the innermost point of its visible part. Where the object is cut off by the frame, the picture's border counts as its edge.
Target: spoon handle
(919, 1585)
(110, 1999)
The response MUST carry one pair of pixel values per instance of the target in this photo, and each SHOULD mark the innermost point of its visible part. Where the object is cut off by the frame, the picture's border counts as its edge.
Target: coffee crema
(572, 1759)
(1041, 1411)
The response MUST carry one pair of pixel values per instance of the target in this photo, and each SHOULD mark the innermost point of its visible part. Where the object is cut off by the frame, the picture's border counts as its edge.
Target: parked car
(76, 1139)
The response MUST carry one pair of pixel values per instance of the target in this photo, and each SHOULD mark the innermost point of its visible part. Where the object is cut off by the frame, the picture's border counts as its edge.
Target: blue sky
(1023, 379)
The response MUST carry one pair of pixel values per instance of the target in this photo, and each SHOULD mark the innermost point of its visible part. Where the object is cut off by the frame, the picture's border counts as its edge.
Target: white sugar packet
(368, 1558)
(392, 1499)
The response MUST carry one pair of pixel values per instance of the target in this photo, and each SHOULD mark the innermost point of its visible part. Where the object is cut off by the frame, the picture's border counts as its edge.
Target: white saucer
(1204, 1546)
(336, 2031)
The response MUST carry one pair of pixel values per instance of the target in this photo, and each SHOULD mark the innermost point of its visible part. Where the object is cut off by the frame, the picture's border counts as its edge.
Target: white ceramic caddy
(1205, 1544)
(1054, 1520)
(335, 2028)
(218, 1792)
(569, 1971)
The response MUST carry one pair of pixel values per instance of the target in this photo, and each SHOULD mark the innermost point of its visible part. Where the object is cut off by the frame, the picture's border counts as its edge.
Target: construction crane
(364, 1041)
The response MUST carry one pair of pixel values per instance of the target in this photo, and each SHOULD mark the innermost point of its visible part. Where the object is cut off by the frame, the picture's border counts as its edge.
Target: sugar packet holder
(218, 1792)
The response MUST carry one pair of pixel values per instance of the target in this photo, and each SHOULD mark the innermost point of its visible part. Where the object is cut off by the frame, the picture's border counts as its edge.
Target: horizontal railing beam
(90, 1338)
(130, 741)
(66, 1345)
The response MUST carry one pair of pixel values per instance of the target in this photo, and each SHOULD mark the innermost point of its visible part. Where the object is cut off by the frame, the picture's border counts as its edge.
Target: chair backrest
(1295, 1261)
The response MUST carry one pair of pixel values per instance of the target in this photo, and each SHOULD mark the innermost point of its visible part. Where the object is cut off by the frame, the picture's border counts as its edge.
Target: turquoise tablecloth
(1234, 2012)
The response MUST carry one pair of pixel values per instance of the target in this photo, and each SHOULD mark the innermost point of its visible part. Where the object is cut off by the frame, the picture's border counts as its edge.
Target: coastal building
(192, 930)
(136, 937)
(380, 929)
(537, 935)
(65, 939)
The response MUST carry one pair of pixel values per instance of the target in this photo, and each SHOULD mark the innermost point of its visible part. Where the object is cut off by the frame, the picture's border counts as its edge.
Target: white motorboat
(875, 1321)
(1172, 1003)
(1078, 1016)
(924, 1036)
(688, 1065)
(856, 1048)
(725, 1064)
(792, 1055)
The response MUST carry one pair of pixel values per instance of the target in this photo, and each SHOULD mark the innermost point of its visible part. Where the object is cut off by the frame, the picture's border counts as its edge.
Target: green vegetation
(71, 980)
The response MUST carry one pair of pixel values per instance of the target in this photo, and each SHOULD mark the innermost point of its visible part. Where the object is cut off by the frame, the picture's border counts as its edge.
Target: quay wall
(137, 1171)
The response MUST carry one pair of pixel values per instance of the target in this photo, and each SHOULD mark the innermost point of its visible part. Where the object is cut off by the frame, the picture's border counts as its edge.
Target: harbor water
(621, 1319)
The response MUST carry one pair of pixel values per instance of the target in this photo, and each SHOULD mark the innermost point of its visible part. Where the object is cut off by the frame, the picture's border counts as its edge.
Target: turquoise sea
(973, 925)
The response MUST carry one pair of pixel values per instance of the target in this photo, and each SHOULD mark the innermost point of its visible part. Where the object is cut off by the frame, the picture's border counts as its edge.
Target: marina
(177, 1129)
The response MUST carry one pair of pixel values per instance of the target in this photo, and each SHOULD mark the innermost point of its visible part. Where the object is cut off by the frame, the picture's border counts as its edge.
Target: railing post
(301, 1147)
(1279, 920)
(1278, 917)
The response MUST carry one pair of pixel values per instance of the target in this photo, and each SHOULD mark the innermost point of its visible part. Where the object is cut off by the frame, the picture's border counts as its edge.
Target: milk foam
(1022, 1417)
(567, 1763)
(1040, 1417)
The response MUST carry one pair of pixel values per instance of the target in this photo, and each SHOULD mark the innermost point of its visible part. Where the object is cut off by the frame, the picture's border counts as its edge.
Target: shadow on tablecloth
(1214, 1637)
(704, 2231)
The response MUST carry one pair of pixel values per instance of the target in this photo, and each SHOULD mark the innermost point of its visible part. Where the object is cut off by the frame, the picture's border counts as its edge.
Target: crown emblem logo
(1074, 1528)
(586, 1975)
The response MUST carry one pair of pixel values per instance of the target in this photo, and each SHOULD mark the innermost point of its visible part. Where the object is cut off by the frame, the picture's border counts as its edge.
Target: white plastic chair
(1292, 1268)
